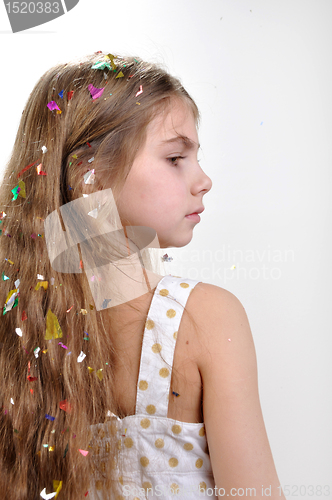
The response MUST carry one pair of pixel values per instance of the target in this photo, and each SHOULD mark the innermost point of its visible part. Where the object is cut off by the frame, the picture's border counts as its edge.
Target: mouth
(198, 211)
(195, 217)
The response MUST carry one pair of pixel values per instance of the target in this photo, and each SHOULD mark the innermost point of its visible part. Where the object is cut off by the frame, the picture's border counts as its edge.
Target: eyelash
(175, 158)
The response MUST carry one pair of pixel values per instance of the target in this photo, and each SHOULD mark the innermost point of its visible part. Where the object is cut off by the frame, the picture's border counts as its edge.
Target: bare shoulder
(212, 295)
(224, 340)
(216, 310)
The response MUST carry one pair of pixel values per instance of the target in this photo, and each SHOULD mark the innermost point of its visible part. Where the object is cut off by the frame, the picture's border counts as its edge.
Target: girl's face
(166, 182)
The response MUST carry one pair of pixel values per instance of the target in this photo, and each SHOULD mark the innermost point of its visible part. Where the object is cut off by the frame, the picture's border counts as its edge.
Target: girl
(118, 382)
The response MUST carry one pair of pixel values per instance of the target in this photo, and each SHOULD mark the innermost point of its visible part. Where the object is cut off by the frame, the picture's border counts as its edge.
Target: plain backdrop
(260, 72)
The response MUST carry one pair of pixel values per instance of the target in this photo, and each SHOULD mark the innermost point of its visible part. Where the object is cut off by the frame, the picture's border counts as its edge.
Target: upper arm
(238, 445)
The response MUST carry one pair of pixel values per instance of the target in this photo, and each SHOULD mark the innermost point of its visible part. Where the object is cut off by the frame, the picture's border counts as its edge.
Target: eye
(174, 159)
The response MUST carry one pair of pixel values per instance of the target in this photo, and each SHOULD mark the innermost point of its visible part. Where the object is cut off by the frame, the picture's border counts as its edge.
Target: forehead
(176, 120)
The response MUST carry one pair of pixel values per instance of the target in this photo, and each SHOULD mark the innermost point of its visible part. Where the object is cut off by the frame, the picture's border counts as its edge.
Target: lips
(198, 211)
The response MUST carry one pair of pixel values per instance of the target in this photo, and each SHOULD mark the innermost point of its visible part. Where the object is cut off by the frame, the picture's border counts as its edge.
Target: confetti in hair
(52, 105)
(95, 92)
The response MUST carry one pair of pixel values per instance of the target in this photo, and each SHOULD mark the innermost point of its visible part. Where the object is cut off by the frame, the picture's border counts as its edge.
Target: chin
(175, 242)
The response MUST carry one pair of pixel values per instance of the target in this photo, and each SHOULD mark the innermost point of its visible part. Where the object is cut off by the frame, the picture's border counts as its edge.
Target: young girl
(118, 382)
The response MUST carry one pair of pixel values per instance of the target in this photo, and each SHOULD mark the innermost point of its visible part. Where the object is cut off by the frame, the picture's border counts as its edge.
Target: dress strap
(159, 339)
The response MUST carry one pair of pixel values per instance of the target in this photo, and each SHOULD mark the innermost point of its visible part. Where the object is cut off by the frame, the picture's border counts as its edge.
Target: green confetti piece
(15, 192)
(101, 65)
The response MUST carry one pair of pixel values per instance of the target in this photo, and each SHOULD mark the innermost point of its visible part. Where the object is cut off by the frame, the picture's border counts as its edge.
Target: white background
(260, 72)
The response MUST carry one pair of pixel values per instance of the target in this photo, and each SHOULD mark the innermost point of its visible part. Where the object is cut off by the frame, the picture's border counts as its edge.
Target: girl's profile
(118, 381)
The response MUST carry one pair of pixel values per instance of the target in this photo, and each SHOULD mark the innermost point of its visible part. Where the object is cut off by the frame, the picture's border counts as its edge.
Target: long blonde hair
(48, 398)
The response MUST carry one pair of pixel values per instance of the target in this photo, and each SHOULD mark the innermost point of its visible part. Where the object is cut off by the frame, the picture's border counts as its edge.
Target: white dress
(158, 457)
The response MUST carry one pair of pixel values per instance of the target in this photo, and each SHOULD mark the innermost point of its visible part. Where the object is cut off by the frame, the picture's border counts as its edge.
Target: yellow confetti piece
(10, 294)
(43, 284)
(51, 448)
(119, 75)
(21, 185)
(10, 262)
(100, 374)
(84, 312)
(111, 57)
(138, 103)
(53, 329)
(59, 112)
(57, 486)
(75, 156)
(90, 369)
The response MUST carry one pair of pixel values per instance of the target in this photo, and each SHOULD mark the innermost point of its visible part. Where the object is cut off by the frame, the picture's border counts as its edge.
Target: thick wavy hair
(48, 399)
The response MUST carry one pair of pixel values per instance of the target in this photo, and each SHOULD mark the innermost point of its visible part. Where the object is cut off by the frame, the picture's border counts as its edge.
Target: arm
(239, 449)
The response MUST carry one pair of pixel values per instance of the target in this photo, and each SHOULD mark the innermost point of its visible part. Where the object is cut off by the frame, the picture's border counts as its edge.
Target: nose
(202, 182)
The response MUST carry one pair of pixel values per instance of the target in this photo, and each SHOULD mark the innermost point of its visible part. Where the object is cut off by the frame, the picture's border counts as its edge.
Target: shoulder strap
(159, 341)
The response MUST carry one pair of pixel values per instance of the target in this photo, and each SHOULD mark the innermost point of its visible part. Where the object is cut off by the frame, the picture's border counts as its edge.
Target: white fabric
(159, 457)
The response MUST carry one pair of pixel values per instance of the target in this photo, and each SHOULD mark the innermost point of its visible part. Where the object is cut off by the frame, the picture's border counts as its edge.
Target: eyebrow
(183, 139)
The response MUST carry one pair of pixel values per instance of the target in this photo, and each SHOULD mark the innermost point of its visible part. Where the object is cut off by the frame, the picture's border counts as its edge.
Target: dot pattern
(156, 450)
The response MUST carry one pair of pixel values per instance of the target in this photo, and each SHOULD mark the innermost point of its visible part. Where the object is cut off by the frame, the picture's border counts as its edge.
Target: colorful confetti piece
(140, 91)
(52, 105)
(65, 406)
(41, 284)
(89, 177)
(95, 92)
(26, 168)
(81, 357)
(39, 170)
(101, 65)
(53, 329)
(47, 496)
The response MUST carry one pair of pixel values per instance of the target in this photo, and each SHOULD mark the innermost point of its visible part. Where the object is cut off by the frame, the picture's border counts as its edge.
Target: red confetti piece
(70, 95)
(81, 264)
(65, 406)
(69, 309)
(24, 316)
(32, 379)
(86, 494)
(26, 168)
(31, 390)
(80, 163)
(39, 170)
(89, 145)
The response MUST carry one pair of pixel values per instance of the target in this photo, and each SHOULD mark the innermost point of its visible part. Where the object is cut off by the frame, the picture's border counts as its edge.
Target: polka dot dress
(159, 457)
